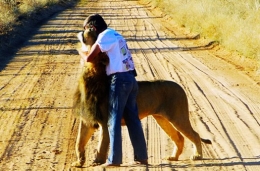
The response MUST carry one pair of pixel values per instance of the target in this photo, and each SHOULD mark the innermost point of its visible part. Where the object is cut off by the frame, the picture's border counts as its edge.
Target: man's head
(95, 22)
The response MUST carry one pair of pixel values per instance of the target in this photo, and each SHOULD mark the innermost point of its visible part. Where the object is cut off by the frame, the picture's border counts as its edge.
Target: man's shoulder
(111, 31)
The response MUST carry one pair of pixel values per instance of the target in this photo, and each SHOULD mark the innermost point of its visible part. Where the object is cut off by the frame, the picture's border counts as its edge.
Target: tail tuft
(206, 141)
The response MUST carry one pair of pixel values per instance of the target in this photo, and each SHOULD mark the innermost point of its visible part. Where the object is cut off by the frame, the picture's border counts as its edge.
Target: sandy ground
(38, 129)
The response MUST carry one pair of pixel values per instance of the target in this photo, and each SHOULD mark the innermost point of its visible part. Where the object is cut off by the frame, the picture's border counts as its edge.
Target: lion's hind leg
(193, 136)
(175, 136)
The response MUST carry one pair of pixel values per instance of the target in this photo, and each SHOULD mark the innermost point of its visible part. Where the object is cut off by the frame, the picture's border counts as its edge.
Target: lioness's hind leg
(84, 134)
(193, 136)
(175, 136)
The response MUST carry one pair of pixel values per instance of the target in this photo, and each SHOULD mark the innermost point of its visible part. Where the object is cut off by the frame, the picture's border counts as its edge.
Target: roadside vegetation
(14, 12)
(234, 24)
(19, 18)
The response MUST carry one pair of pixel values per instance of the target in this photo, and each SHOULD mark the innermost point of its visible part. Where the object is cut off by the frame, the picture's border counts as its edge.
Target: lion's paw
(98, 162)
(170, 158)
(77, 164)
(196, 157)
(95, 164)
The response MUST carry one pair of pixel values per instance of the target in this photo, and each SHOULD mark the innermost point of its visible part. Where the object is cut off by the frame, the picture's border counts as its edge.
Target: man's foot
(110, 165)
(141, 162)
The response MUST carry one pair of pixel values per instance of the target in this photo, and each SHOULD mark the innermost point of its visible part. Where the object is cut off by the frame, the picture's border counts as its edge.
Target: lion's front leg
(103, 144)
(84, 134)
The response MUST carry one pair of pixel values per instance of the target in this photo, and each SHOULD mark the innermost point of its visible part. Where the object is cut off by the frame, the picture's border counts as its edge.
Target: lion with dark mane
(166, 101)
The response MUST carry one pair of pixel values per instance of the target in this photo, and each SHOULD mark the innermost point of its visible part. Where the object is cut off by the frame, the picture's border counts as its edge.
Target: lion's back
(161, 96)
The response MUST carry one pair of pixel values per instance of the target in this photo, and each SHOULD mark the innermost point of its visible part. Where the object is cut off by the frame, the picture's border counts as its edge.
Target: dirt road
(38, 129)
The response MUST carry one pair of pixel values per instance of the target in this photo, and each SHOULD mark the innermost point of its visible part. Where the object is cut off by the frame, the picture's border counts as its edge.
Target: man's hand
(80, 36)
(83, 55)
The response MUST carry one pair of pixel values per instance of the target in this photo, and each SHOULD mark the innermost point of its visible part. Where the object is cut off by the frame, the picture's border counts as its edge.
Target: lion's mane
(92, 86)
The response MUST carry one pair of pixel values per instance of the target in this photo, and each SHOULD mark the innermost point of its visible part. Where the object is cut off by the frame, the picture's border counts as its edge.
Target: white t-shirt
(115, 46)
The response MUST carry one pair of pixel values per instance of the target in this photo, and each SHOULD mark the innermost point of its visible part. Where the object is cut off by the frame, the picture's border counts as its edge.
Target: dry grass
(235, 24)
(9, 13)
(13, 10)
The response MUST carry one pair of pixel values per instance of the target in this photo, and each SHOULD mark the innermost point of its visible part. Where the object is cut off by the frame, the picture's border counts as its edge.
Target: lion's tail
(79, 97)
(76, 108)
(206, 141)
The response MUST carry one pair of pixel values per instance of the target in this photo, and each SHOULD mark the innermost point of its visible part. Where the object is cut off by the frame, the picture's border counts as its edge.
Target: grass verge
(234, 24)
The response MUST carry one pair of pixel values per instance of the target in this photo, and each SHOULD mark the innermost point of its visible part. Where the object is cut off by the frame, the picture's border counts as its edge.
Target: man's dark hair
(96, 21)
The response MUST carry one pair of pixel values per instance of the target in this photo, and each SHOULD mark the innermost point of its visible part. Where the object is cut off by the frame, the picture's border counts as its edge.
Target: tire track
(220, 106)
(39, 132)
(227, 94)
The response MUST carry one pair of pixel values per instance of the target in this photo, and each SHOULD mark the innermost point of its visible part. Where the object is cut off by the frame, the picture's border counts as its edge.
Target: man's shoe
(110, 165)
(142, 162)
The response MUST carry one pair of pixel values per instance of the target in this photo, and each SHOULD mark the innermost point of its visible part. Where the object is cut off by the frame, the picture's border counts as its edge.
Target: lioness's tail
(206, 141)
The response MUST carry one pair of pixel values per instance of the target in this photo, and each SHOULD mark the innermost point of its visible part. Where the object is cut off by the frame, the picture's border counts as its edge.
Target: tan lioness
(166, 101)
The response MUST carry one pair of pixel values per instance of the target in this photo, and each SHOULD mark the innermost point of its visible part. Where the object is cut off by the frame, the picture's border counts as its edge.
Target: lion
(165, 101)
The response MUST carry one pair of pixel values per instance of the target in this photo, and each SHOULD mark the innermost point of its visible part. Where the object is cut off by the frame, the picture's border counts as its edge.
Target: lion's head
(87, 38)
